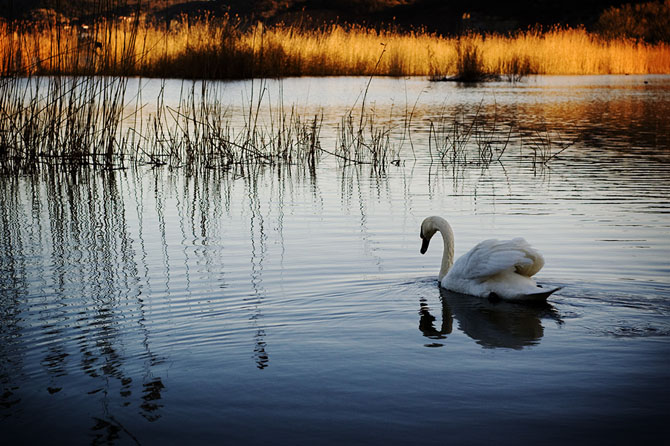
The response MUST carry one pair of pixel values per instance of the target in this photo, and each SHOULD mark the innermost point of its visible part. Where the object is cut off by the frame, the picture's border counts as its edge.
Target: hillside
(434, 15)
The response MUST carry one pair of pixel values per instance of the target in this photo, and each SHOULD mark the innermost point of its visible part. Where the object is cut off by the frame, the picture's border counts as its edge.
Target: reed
(199, 132)
(475, 139)
(546, 146)
(470, 65)
(479, 139)
(62, 120)
(85, 120)
(362, 140)
(225, 47)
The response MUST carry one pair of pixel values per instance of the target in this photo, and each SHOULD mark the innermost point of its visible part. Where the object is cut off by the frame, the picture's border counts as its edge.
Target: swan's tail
(536, 297)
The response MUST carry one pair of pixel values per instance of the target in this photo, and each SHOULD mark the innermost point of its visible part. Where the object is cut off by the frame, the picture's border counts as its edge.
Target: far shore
(219, 48)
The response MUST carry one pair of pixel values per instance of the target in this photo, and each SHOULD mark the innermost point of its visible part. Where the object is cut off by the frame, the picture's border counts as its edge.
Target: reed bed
(477, 139)
(224, 47)
(62, 120)
(86, 120)
(92, 121)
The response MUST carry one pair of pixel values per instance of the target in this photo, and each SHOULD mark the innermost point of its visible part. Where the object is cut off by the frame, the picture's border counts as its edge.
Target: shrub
(646, 21)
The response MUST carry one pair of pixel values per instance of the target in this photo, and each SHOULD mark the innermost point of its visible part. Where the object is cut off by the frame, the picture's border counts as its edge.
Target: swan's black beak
(424, 244)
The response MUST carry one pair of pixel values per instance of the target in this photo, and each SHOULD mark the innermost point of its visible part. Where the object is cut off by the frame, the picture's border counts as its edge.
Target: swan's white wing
(492, 257)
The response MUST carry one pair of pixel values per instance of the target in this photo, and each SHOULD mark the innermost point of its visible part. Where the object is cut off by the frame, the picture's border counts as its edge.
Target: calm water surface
(159, 306)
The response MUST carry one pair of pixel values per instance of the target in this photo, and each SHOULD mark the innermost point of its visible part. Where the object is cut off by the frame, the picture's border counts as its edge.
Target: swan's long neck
(448, 239)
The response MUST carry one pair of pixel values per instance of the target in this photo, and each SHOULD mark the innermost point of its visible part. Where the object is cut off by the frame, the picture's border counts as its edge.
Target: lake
(288, 305)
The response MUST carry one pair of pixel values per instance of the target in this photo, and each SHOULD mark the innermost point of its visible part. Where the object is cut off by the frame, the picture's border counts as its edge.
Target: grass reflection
(76, 317)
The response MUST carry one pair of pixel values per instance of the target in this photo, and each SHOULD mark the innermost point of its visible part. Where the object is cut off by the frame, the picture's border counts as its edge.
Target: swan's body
(500, 269)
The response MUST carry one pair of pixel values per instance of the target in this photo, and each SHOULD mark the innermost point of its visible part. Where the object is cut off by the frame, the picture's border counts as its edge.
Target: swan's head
(428, 230)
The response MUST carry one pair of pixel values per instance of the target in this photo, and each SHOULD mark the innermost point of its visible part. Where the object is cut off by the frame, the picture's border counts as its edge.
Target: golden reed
(222, 48)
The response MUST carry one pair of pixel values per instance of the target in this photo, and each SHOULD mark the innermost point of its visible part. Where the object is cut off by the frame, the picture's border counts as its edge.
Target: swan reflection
(490, 324)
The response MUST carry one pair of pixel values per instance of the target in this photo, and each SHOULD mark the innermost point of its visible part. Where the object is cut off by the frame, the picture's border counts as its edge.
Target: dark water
(159, 306)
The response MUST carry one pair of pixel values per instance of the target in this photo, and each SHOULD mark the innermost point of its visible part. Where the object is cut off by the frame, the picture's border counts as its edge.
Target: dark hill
(444, 16)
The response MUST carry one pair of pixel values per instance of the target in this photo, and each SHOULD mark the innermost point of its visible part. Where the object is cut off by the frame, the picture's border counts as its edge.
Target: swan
(495, 269)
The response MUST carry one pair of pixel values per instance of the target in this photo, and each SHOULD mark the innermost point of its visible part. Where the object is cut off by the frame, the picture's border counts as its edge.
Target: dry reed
(224, 48)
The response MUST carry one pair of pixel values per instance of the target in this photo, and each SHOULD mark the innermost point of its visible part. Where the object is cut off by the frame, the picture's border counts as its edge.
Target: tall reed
(87, 120)
(62, 119)
(224, 47)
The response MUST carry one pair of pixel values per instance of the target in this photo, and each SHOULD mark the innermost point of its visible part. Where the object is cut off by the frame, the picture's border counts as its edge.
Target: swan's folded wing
(492, 257)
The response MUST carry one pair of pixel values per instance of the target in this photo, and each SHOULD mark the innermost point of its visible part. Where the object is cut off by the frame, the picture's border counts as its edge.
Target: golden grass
(222, 48)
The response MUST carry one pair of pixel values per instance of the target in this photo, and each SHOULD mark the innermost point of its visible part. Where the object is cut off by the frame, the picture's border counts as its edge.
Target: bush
(470, 63)
(646, 21)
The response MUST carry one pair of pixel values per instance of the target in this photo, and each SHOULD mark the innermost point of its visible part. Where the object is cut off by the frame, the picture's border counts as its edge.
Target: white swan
(493, 268)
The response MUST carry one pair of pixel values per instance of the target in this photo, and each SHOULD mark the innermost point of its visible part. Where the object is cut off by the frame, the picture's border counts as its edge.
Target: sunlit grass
(223, 48)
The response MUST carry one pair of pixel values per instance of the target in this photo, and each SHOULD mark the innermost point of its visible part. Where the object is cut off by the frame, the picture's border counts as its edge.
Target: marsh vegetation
(227, 47)
(64, 98)
(101, 122)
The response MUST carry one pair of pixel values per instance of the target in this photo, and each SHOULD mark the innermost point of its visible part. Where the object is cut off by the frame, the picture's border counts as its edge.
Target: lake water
(289, 306)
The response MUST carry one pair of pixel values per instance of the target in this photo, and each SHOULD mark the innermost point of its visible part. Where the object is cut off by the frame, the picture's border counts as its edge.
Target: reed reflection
(71, 292)
(489, 324)
(257, 229)
(13, 290)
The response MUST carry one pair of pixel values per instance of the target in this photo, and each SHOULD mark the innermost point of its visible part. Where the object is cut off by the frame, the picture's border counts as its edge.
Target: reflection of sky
(385, 91)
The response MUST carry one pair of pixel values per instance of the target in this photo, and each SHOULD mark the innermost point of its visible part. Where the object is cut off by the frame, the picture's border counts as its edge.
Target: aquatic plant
(91, 120)
(362, 140)
(516, 68)
(477, 139)
(449, 138)
(546, 146)
(62, 120)
(83, 120)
